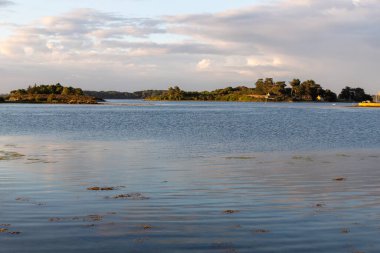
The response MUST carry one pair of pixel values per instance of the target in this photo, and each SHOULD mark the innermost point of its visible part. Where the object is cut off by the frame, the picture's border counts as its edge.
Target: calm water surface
(195, 177)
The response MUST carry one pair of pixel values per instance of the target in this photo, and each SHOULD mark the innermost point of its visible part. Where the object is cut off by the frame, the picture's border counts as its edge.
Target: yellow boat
(369, 104)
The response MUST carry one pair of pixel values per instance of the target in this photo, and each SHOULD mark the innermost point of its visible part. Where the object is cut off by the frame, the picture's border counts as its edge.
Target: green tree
(65, 91)
(296, 88)
(37, 98)
(50, 98)
(310, 90)
(78, 92)
(279, 89)
(173, 94)
(329, 96)
(354, 94)
(260, 87)
(264, 87)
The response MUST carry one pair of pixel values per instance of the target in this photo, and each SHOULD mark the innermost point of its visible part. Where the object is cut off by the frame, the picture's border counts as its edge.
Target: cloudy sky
(130, 45)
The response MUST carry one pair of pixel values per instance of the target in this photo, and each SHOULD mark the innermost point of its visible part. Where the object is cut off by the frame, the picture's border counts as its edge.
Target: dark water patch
(11, 145)
(6, 229)
(22, 199)
(14, 232)
(146, 226)
(320, 205)
(105, 188)
(141, 240)
(240, 157)
(226, 247)
(87, 218)
(342, 155)
(30, 201)
(262, 231)
(302, 158)
(231, 211)
(32, 160)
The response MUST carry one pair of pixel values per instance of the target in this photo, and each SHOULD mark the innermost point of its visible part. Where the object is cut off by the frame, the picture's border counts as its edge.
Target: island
(265, 90)
(50, 94)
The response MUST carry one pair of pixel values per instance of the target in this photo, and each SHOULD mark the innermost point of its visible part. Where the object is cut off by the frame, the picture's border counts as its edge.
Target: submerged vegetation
(10, 155)
(55, 93)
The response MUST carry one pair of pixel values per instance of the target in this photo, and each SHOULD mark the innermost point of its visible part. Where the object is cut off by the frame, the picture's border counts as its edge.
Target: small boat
(369, 104)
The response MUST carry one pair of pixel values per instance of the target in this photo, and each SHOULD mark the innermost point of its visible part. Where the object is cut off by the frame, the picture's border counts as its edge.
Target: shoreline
(105, 102)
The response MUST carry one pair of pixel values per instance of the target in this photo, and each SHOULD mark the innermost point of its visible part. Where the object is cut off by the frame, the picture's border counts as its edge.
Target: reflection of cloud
(309, 39)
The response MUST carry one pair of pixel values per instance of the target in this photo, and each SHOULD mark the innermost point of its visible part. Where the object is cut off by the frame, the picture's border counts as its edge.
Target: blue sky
(27, 11)
(150, 44)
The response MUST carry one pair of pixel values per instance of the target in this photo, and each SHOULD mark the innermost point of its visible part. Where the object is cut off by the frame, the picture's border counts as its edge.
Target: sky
(130, 45)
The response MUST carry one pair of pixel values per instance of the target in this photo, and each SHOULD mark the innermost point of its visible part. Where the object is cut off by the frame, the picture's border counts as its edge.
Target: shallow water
(211, 177)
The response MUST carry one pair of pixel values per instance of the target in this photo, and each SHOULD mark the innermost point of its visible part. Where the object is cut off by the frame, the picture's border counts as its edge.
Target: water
(272, 165)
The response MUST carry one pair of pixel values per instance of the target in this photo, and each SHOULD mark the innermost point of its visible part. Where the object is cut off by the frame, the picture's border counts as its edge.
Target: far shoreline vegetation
(265, 90)
(50, 94)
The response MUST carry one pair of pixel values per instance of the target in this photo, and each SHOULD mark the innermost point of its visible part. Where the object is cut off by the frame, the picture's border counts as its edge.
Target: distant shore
(50, 94)
(265, 90)
(52, 99)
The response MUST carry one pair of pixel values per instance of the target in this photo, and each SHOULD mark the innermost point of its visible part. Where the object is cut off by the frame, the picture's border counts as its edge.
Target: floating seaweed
(97, 188)
(87, 218)
(131, 196)
(320, 205)
(262, 231)
(104, 188)
(303, 158)
(231, 211)
(10, 155)
(240, 157)
(339, 179)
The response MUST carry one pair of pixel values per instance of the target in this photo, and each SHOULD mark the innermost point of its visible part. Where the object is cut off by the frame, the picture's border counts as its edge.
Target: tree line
(53, 93)
(52, 89)
(265, 90)
(124, 95)
(269, 90)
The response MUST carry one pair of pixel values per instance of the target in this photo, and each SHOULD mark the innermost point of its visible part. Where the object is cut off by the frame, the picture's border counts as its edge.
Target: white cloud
(365, 2)
(204, 64)
(256, 61)
(335, 42)
(28, 51)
